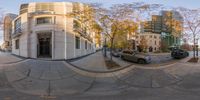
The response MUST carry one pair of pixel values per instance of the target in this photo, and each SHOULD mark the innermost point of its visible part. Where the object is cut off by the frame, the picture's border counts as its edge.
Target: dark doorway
(150, 49)
(44, 45)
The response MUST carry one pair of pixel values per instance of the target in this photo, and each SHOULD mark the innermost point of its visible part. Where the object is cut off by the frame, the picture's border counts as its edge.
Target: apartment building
(151, 41)
(43, 30)
(169, 24)
(7, 31)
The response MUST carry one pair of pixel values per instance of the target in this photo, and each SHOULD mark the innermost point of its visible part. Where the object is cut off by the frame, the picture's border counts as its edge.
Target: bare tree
(84, 20)
(143, 11)
(1, 18)
(112, 21)
(143, 44)
(191, 25)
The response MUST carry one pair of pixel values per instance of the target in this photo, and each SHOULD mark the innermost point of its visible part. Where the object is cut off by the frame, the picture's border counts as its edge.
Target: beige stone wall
(63, 36)
(23, 39)
(152, 39)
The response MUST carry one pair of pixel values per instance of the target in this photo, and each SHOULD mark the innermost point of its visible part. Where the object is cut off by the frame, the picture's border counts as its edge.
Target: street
(30, 79)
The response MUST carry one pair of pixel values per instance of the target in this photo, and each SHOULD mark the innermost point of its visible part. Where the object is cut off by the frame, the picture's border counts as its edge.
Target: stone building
(7, 31)
(151, 42)
(44, 30)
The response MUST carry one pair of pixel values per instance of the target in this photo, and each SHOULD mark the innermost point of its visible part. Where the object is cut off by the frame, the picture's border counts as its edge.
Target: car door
(133, 57)
(127, 55)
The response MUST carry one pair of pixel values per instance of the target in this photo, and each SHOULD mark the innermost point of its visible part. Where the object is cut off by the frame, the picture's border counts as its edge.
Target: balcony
(17, 33)
(83, 34)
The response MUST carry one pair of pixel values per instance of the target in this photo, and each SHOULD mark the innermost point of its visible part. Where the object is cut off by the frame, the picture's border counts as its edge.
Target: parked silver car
(135, 56)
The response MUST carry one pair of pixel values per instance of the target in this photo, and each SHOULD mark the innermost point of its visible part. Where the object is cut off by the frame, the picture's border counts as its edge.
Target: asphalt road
(28, 79)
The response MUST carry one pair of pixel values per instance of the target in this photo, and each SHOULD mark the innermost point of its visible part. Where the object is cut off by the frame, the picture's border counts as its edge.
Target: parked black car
(179, 53)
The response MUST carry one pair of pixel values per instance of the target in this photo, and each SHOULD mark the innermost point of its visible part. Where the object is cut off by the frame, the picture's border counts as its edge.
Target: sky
(12, 6)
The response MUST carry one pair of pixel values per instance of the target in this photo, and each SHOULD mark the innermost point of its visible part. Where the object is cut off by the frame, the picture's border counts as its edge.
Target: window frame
(77, 42)
(17, 25)
(17, 44)
(41, 22)
(86, 44)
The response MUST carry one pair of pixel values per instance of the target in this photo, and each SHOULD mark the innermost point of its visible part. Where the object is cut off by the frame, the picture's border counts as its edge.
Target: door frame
(48, 34)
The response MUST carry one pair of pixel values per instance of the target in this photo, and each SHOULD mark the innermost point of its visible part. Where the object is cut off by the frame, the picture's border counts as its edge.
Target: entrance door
(44, 45)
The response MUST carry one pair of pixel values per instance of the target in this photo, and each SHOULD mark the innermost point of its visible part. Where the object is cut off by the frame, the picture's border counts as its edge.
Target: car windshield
(128, 52)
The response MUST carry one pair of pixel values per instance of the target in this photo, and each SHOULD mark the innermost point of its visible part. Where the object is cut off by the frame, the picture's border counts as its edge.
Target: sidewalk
(6, 58)
(158, 54)
(94, 62)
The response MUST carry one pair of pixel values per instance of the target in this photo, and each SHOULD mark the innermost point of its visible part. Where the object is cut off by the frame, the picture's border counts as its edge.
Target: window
(44, 7)
(23, 8)
(44, 20)
(128, 52)
(155, 37)
(155, 43)
(17, 27)
(76, 24)
(76, 7)
(17, 44)
(90, 46)
(77, 39)
(85, 44)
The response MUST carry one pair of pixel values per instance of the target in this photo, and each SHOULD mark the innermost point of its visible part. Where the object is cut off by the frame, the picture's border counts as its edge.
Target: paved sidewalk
(6, 58)
(93, 62)
(55, 80)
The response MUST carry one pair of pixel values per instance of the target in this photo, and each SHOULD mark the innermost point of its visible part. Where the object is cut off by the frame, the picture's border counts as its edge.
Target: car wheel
(122, 57)
(187, 54)
(141, 61)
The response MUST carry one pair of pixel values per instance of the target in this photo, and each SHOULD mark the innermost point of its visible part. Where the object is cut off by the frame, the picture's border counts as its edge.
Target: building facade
(7, 31)
(45, 30)
(148, 41)
(169, 24)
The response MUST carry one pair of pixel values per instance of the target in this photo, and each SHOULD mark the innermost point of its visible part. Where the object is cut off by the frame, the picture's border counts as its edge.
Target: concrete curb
(14, 63)
(98, 73)
(115, 72)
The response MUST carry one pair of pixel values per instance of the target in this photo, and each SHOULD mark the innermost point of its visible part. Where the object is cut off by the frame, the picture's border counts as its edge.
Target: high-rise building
(172, 27)
(169, 24)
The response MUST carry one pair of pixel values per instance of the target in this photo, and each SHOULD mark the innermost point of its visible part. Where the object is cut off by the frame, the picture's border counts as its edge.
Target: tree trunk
(194, 48)
(105, 53)
(111, 48)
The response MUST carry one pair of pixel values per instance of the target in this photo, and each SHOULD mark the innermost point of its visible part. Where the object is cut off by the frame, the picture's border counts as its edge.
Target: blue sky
(12, 6)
